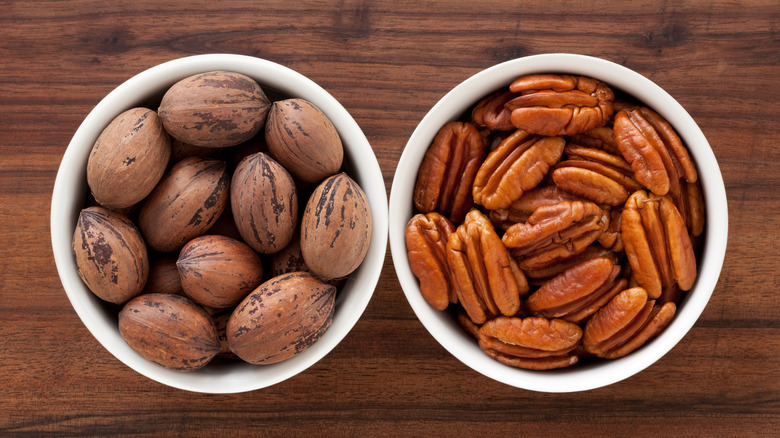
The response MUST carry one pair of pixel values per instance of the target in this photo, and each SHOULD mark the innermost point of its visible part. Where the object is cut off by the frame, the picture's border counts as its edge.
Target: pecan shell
(559, 104)
(533, 342)
(426, 246)
(445, 176)
(486, 279)
(625, 324)
(519, 163)
(554, 233)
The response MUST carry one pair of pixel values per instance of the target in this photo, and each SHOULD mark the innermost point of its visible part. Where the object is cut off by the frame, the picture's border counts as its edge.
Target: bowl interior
(448, 332)
(70, 189)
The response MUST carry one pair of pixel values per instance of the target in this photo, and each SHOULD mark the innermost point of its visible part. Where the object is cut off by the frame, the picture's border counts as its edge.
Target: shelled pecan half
(491, 113)
(625, 324)
(519, 163)
(554, 233)
(559, 104)
(657, 244)
(591, 252)
(656, 153)
(602, 138)
(610, 238)
(486, 279)
(447, 171)
(577, 292)
(532, 342)
(521, 209)
(426, 246)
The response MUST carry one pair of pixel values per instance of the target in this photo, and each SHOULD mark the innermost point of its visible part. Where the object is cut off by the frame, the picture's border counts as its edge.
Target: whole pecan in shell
(559, 104)
(554, 233)
(426, 246)
(533, 342)
(519, 163)
(486, 279)
(625, 324)
(447, 171)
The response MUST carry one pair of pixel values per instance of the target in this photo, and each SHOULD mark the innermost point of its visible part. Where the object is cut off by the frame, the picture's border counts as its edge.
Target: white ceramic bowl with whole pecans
(587, 374)
(70, 192)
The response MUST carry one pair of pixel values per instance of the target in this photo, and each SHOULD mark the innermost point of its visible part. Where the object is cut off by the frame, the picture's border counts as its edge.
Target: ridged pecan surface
(426, 246)
(533, 342)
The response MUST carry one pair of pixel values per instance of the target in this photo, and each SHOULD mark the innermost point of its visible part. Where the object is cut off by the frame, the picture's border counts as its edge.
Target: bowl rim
(352, 300)
(591, 376)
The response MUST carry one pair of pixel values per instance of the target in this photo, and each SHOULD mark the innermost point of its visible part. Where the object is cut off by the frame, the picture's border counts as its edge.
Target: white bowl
(70, 189)
(580, 377)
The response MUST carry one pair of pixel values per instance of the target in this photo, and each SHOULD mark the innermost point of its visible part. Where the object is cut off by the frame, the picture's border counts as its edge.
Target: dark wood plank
(388, 63)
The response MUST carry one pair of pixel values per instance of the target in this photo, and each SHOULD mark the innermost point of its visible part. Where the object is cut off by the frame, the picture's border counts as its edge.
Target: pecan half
(554, 233)
(602, 138)
(426, 245)
(519, 163)
(491, 113)
(448, 169)
(590, 253)
(657, 244)
(654, 150)
(625, 324)
(533, 342)
(486, 279)
(578, 292)
(610, 237)
(559, 104)
(521, 209)
(595, 175)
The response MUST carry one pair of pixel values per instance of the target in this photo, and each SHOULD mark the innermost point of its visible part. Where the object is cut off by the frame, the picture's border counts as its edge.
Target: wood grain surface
(388, 63)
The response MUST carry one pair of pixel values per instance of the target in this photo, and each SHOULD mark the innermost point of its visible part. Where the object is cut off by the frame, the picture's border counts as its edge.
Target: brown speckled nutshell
(186, 203)
(128, 159)
(302, 138)
(110, 255)
(264, 203)
(214, 109)
(169, 330)
(218, 271)
(336, 227)
(281, 318)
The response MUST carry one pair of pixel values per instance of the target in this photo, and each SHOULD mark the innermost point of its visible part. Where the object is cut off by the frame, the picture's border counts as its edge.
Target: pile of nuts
(557, 222)
(195, 232)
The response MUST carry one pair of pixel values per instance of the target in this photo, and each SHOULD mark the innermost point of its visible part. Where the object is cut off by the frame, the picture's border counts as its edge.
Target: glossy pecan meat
(426, 245)
(590, 253)
(519, 163)
(554, 233)
(691, 207)
(602, 138)
(447, 171)
(486, 279)
(559, 104)
(595, 175)
(656, 154)
(577, 292)
(625, 324)
(491, 113)
(521, 209)
(611, 238)
(533, 342)
(657, 244)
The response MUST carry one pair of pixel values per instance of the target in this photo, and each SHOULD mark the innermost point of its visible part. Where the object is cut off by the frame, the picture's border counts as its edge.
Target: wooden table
(388, 63)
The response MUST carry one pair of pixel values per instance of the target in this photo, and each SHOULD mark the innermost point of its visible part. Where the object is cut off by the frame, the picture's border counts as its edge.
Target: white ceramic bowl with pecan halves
(587, 374)
(70, 190)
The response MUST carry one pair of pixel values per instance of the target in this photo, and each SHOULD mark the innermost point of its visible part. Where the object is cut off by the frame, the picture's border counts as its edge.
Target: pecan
(559, 104)
(657, 244)
(533, 342)
(691, 206)
(554, 233)
(595, 175)
(578, 292)
(491, 113)
(426, 245)
(590, 253)
(448, 169)
(486, 279)
(521, 209)
(610, 237)
(654, 150)
(625, 324)
(602, 138)
(519, 163)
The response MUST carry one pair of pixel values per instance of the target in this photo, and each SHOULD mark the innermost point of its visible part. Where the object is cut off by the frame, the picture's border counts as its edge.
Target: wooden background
(388, 63)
